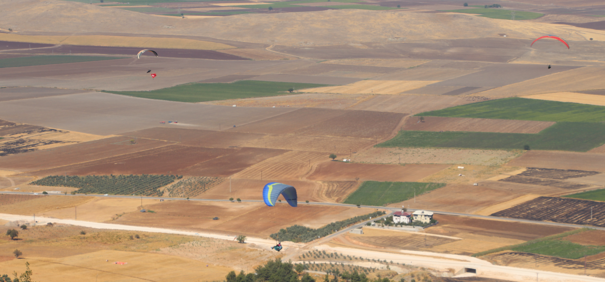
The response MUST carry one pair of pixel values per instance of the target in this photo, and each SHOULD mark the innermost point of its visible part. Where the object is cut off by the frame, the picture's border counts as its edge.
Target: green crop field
(360, 7)
(201, 92)
(500, 13)
(559, 248)
(374, 193)
(525, 109)
(596, 195)
(564, 136)
(145, 184)
(50, 60)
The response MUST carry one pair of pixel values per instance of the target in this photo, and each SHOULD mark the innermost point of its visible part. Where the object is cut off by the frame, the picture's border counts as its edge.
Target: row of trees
(274, 271)
(297, 233)
(145, 184)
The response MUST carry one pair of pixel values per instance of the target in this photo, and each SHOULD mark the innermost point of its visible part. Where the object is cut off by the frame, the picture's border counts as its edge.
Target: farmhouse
(423, 216)
(402, 217)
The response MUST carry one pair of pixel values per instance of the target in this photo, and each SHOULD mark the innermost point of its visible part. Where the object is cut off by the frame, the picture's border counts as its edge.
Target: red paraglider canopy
(553, 37)
(153, 75)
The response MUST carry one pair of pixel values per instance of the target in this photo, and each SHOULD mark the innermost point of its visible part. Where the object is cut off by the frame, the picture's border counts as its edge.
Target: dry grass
(435, 156)
(470, 174)
(44, 204)
(598, 100)
(372, 87)
(118, 41)
(505, 205)
(99, 209)
(390, 63)
(291, 165)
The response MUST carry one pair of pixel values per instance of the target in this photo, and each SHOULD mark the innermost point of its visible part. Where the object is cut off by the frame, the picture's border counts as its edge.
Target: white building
(423, 216)
(402, 216)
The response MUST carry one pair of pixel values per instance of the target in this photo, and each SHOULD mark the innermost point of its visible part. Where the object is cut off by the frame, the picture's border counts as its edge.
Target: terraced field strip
(525, 109)
(50, 60)
(117, 41)
(202, 92)
(595, 195)
(475, 125)
(376, 193)
(372, 87)
(571, 97)
(564, 136)
(500, 14)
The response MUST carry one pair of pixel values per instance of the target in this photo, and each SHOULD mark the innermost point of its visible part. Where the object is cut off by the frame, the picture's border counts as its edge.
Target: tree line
(297, 233)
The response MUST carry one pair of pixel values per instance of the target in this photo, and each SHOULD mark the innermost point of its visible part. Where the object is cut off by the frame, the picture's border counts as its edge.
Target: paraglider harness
(277, 247)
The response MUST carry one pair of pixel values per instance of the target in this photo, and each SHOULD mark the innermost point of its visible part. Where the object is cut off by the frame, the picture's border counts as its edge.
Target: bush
(44, 193)
(12, 233)
(231, 199)
(23, 226)
(526, 147)
(17, 253)
(239, 200)
(465, 4)
(82, 232)
(241, 239)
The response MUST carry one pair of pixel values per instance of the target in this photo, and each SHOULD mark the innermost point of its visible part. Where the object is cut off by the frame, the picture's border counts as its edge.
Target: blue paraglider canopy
(272, 191)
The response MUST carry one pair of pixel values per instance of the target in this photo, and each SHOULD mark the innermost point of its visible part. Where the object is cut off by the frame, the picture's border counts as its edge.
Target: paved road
(341, 205)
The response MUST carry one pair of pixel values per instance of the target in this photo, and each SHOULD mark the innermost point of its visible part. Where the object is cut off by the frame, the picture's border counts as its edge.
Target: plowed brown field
(251, 189)
(598, 150)
(335, 191)
(476, 124)
(455, 197)
(291, 122)
(592, 237)
(410, 104)
(339, 171)
(561, 160)
(78, 153)
(434, 156)
(291, 165)
(341, 146)
(364, 124)
(254, 219)
(196, 137)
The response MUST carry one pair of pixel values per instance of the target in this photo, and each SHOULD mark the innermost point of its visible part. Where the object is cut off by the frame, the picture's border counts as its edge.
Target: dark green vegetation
(525, 109)
(566, 136)
(276, 271)
(297, 233)
(26, 276)
(49, 60)
(596, 195)
(138, 2)
(360, 7)
(374, 193)
(500, 14)
(201, 92)
(553, 245)
(193, 186)
(146, 185)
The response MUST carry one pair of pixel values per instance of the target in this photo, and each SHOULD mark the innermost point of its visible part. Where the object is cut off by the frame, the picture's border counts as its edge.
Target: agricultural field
(571, 97)
(394, 155)
(50, 60)
(146, 185)
(595, 195)
(203, 92)
(525, 109)
(475, 125)
(373, 193)
(563, 136)
(192, 186)
(564, 210)
(500, 14)
(340, 171)
(560, 160)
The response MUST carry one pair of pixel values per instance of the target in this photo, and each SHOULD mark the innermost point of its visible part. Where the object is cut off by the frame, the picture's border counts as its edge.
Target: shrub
(239, 200)
(82, 232)
(465, 4)
(17, 253)
(23, 226)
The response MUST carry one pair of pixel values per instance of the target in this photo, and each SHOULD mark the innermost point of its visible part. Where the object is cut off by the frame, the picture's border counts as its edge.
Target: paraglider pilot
(277, 247)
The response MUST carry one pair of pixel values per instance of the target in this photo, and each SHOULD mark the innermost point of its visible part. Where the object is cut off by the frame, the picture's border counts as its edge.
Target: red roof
(402, 214)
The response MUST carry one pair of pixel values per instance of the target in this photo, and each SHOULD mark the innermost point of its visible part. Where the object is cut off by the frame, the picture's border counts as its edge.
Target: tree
(307, 201)
(421, 119)
(299, 269)
(270, 8)
(358, 205)
(241, 239)
(12, 233)
(231, 199)
(44, 193)
(291, 90)
(465, 4)
(526, 147)
(307, 278)
(83, 232)
(398, 6)
(23, 226)
(231, 277)
(239, 200)
(332, 156)
(17, 253)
